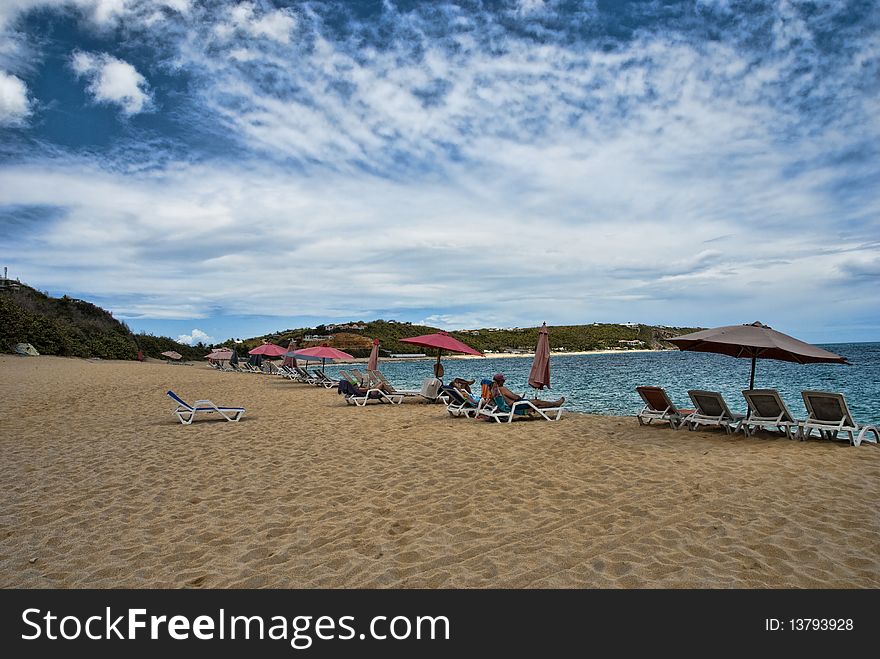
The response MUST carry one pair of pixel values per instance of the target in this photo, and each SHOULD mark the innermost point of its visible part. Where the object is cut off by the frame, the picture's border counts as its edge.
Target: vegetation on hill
(70, 327)
(74, 328)
(571, 338)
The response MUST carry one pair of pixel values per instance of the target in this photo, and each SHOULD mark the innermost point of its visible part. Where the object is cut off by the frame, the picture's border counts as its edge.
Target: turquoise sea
(605, 383)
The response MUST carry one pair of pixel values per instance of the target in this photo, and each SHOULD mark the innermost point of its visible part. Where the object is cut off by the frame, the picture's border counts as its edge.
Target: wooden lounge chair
(659, 407)
(829, 414)
(711, 411)
(768, 410)
(186, 413)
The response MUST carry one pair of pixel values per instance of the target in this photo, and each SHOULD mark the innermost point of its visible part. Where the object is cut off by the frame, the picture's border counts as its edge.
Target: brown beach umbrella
(171, 354)
(755, 341)
(442, 341)
(539, 376)
(373, 364)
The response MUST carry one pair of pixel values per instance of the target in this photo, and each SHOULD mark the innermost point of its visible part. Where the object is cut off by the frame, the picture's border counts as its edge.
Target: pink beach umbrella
(373, 364)
(172, 354)
(442, 341)
(539, 376)
(268, 350)
(323, 353)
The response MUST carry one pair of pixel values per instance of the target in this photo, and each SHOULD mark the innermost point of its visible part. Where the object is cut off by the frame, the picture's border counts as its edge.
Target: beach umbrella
(289, 356)
(233, 358)
(323, 353)
(373, 364)
(219, 354)
(268, 350)
(539, 376)
(442, 341)
(171, 354)
(755, 341)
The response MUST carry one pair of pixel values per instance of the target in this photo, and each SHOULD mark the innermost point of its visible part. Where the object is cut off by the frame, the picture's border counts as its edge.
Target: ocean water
(605, 383)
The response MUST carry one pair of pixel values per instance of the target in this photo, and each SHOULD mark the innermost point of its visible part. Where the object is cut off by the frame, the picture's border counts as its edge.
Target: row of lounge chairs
(827, 413)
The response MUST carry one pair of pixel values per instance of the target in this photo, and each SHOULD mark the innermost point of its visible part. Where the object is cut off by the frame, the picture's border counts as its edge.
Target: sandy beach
(102, 487)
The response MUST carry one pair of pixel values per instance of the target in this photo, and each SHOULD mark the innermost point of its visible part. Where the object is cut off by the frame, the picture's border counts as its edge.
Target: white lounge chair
(712, 411)
(186, 413)
(768, 410)
(503, 412)
(377, 377)
(374, 394)
(659, 407)
(829, 414)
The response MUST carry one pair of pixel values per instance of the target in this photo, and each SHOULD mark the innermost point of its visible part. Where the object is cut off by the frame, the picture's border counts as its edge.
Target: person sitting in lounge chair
(499, 390)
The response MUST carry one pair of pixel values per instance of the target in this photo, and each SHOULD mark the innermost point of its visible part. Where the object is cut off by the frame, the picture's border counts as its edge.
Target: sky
(208, 170)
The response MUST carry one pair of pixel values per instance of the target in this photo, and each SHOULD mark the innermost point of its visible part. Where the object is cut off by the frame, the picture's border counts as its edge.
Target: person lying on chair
(498, 389)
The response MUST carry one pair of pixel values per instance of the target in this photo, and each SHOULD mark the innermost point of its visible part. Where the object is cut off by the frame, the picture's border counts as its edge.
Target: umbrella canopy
(539, 376)
(373, 364)
(171, 354)
(221, 354)
(757, 341)
(268, 350)
(323, 353)
(442, 341)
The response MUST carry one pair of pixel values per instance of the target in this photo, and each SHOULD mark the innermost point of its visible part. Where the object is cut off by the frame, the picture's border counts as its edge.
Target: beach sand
(101, 487)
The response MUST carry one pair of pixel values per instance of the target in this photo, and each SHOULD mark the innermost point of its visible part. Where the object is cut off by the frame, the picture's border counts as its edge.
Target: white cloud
(243, 18)
(14, 104)
(510, 180)
(196, 336)
(114, 81)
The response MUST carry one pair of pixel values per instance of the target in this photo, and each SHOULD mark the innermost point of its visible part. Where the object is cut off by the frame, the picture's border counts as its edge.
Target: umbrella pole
(752, 376)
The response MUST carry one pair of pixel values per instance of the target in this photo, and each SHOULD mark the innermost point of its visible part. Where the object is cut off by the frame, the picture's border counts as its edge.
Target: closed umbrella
(755, 341)
(539, 376)
(373, 364)
(442, 341)
(289, 358)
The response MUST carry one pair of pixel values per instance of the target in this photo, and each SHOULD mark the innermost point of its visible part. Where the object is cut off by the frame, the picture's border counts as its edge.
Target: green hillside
(569, 337)
(74, 328)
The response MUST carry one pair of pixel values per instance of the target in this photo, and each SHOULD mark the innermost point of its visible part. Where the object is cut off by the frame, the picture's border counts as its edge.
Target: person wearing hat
(498, 389)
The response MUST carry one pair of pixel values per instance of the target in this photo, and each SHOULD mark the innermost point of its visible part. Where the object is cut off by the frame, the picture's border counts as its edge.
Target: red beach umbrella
(268, 350)
(323, 353)
(373, 364)
(539, 376)
(442, 341)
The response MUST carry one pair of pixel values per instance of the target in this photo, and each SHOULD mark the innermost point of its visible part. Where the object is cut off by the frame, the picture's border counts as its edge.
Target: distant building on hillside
(318, 337)
(8, 284)
(631, 344)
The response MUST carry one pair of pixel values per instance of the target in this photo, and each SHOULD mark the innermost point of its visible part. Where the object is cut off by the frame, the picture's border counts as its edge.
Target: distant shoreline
(500, 355)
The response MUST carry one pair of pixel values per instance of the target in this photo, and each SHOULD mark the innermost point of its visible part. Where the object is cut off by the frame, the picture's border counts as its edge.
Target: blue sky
(218, 169)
